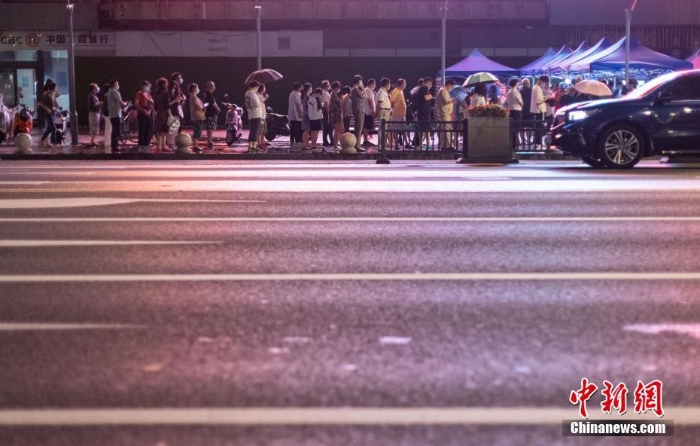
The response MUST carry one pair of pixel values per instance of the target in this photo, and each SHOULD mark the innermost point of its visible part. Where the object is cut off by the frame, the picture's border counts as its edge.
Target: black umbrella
(264, 76)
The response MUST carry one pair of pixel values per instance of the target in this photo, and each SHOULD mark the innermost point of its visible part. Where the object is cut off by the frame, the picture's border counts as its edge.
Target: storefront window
(56, 69)
(18, 56)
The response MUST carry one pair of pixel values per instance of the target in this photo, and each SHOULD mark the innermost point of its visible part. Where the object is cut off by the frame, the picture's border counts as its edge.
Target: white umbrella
(594, 88)
(478, 78)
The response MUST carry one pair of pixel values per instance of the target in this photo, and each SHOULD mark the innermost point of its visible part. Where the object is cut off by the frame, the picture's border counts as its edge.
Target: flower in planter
(487, 111)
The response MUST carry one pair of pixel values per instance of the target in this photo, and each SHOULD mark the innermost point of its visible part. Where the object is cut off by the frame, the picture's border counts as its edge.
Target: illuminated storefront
(29, 58)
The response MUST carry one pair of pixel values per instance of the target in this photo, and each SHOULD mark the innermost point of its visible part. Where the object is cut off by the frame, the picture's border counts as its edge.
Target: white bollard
(23, 142)
(183, 141)
(347, 143)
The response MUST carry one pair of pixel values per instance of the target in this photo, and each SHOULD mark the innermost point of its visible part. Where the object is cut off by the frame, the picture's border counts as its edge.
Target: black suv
(662, 116)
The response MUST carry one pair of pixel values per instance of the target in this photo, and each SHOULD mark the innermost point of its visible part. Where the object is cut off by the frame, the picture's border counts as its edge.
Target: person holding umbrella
(254, 108)
(479, 98)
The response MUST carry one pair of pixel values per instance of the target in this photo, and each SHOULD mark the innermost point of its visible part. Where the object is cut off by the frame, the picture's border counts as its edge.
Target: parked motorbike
(234, 122)
(60, 121)
(277, 125)
(22, 120)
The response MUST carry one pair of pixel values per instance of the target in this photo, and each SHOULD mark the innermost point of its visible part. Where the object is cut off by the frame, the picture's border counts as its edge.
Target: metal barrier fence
(414, 135)
(529, 134)
(526, 136)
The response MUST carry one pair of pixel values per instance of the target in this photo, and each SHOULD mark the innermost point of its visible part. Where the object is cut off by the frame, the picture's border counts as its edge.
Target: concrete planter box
(489, 140)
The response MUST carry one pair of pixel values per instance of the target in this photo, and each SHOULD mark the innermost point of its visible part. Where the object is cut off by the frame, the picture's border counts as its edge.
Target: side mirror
(665, 96)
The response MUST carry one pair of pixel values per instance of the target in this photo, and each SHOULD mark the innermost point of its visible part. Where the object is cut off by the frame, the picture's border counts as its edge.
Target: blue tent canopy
(565, 64)
(555, 63)
(641, 58)
(534, 67)
(476, 63)
(695, 59)
(562, 54)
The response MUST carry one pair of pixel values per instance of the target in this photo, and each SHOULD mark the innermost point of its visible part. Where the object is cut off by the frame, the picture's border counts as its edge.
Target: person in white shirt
(254, 108)
(479, 97)
(383, 104)
(514, 101)
(315, 115)
(295, 113)
(369, 113)
(538, 106)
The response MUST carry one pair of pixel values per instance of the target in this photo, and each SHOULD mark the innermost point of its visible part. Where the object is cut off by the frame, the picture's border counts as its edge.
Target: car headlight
(579, 115)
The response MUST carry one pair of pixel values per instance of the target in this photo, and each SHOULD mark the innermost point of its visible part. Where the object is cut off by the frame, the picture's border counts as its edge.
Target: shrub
(487, 111)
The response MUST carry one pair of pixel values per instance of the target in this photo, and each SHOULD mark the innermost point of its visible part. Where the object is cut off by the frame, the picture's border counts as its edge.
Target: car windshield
(651, 86)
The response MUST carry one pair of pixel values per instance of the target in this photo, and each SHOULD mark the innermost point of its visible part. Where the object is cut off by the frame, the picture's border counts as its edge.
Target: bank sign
(55, 40)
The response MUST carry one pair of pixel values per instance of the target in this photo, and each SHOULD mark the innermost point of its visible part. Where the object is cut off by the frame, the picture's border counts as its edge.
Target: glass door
(7, 87)
(26, 86)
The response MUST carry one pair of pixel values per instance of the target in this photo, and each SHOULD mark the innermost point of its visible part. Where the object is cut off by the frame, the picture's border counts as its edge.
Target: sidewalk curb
(262, 156)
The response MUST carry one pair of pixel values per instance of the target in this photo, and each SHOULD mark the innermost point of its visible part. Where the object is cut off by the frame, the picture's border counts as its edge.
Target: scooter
(277, 125)
(234, 122)
(60, 121)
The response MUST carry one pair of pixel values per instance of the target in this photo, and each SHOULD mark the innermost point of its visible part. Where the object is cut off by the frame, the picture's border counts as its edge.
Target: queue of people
(326, 111)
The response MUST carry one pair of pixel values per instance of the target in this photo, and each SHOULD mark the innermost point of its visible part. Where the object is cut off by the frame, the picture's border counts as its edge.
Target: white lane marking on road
(320, 416)
(331, 277)
(46, 326)
(348, 219)
(278, 350)
(59, 243)
(322, 172)
(551, 186)
(42, 203)
(394, 340)
(685, 329)
(28, 183)
(296, 340)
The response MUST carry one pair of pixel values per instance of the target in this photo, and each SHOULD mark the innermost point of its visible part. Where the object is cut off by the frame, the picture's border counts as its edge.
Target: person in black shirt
(424, 105)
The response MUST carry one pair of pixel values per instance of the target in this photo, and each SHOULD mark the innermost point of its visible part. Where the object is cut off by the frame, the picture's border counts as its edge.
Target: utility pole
(628, 23)
(71, 78)
(259, 30)
(444, 40)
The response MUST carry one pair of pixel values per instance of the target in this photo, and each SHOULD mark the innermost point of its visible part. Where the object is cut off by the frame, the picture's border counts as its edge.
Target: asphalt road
(205, 303)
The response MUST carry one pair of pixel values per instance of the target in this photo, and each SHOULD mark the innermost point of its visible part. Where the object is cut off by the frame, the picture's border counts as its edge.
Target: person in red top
(144, 113)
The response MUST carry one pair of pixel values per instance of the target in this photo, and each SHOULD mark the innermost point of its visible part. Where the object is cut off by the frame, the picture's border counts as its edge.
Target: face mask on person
(97, 90)
(181, 81)
(147, 89)
(360, 84)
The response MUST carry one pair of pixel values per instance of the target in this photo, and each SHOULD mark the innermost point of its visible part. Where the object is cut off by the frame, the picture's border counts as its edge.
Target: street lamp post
(628, 30)
(444, 41)
(71, 78)
(259, 36)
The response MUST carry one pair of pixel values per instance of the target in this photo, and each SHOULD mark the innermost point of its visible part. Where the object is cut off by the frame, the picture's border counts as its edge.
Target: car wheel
(270, 136)
(621, 147)
(593, 162)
